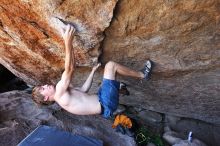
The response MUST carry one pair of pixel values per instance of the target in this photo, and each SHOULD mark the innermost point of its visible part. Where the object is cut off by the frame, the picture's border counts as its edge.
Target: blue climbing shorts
(109, 96)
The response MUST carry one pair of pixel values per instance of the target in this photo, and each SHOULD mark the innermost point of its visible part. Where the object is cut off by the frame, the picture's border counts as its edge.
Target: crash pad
(50, 136)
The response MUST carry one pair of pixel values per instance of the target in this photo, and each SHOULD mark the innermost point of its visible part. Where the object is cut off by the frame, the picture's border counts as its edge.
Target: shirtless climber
(77, 100)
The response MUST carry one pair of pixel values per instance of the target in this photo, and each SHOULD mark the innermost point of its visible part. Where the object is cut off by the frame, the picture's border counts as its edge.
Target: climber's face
(48, 92)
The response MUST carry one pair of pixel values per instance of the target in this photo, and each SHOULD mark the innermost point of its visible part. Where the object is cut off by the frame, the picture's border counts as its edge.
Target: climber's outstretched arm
(88, 83)
(63, 84)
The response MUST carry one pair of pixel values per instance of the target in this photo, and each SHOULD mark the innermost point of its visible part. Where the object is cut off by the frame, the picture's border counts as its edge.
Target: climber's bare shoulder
(78, 102)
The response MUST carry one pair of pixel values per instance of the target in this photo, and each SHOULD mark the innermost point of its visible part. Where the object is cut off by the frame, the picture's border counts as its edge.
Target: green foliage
(156, 139)
(144, 136)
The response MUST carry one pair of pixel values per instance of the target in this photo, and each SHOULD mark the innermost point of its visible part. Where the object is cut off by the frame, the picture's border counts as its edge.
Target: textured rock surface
(150, 117)
(203, 131)
(181, 37)
(30, 43)
(19, 116)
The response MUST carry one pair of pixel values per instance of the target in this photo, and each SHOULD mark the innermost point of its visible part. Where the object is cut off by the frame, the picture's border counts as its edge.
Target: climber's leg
(112, 68)
(109, 91)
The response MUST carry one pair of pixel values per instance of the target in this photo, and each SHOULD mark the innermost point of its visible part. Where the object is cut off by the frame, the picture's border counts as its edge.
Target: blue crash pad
(49, 136)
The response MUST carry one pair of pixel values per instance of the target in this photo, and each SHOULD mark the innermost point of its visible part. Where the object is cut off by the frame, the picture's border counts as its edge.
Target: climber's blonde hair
(38, 97)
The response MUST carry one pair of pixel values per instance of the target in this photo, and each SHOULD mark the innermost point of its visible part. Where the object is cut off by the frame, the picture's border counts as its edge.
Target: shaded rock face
(9, 81)
(19, 116)
(181, 37)
(16, 123)
(206, 132)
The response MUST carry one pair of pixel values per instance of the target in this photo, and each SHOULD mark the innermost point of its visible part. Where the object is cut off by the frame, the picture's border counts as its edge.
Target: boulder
(30, 42)
(208, 133)
(19, 116)
(182, 38)
(150, 117)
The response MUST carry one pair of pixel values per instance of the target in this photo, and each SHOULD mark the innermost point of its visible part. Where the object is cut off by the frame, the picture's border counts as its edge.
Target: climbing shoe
(123, 89)
(147, 69)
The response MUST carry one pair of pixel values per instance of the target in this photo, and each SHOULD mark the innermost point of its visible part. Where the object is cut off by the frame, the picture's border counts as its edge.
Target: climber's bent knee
(110, 70)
